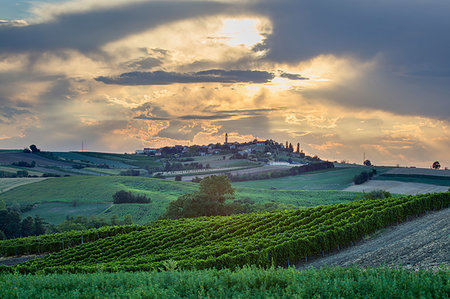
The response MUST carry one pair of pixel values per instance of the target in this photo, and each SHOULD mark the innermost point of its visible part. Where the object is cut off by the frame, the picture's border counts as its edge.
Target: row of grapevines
(276, 238)
(60, 241)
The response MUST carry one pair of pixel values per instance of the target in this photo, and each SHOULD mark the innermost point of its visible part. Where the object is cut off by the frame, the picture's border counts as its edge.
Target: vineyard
(248, 282)
(277, 238)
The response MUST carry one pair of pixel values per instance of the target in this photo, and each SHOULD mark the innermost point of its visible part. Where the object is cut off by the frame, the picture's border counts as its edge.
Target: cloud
(293, 76)
(143, 63)
(209, 76)
(207, 117)
(88, 30)
(412, 40)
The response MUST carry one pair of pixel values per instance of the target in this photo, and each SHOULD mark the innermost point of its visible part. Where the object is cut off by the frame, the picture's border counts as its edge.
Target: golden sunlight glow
(246, 32)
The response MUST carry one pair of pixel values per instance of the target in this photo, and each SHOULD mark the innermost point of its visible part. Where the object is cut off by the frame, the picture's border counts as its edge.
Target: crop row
(277, 238)
(60, 241)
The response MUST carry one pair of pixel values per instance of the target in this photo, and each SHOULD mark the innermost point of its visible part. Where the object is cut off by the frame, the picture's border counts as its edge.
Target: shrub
(123, 196)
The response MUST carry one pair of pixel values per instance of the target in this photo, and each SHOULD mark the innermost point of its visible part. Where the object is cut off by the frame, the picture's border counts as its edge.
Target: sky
(342, 78)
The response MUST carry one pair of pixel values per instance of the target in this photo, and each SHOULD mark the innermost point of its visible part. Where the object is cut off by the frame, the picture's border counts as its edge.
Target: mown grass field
(9, 183)
(99, 189)
(242, 283)
(337, 178)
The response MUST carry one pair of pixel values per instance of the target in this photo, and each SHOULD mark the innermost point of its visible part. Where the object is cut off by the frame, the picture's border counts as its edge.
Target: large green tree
(216, 188)
(208, 201)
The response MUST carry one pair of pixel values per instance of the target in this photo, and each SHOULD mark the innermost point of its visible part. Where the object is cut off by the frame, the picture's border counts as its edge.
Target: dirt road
(420, 243)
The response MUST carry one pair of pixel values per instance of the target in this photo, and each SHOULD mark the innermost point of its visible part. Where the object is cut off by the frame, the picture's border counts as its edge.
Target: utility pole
(364, 157)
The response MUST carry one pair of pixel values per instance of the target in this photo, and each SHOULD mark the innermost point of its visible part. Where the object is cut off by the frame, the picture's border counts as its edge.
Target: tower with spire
(226, 138)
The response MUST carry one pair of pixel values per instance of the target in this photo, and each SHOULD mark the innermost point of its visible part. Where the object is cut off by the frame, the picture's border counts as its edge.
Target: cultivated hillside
(277, 238)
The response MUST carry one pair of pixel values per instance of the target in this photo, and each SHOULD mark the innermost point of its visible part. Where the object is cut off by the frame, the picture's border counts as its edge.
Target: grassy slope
(242, 283)
(412, 178)
(99, 189)
(141, 161)
(9, 183)
(329, 179)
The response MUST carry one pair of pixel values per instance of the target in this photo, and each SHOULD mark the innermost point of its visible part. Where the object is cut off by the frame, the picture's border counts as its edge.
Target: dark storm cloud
(88, 31)
(144, 117)
(251, 111)
(207, 117)
(409, 37)
(209, 76)
(293, 76)
(9, 113)
(409, 30)
(212, 115)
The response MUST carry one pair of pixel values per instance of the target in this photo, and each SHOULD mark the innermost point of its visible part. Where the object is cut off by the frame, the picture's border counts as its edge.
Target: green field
(14, 169)
(56, 212)
(9, 183)
(416, 178)
(81, 157)
(329, 179)
(243, 283)
(99, 189)
(141, 161)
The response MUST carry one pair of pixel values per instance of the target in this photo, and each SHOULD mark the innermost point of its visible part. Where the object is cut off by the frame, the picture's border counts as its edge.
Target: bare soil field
(420, 171)
(10, 183)
(397, 187)
(265, 168)
(422, 243)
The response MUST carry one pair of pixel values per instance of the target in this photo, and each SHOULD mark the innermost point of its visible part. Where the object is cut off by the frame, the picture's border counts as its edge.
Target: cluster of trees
(25, 164)
(33, 149)
(209, 200)
(12, 226)
(84, 223)
(18, 174)
(123, 196)
(436, 165)
(130, 172)
(176, 166)
(364, 176)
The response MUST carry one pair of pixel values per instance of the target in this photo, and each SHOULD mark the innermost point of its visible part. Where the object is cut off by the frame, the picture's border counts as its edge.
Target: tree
(436, 165)
(216, 188)
(38, 228)
(123, 196)
(26, 227)
(34, 148)
(178, 178)
(367, 163)
(208, 201)
(298, 148)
